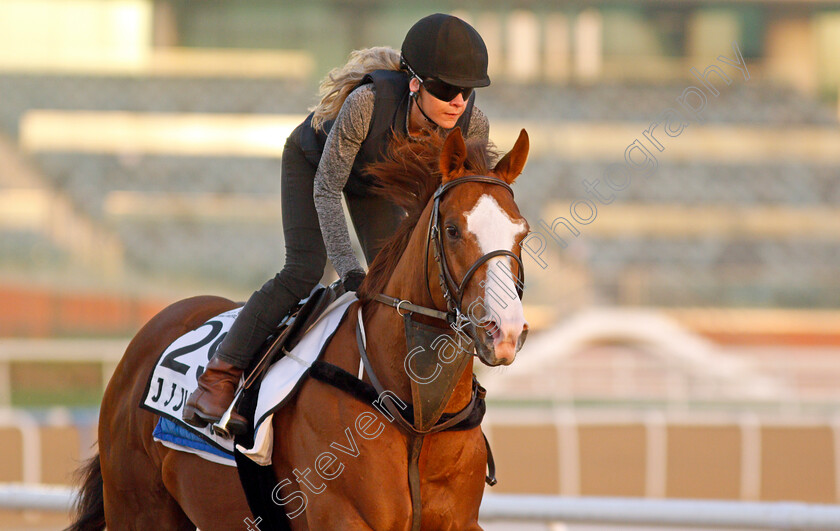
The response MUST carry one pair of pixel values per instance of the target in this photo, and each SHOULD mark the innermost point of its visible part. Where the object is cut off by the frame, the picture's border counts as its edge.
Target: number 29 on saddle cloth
(175, 375)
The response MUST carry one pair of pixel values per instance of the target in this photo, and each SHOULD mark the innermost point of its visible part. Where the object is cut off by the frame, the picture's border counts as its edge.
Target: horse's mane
(408, 176)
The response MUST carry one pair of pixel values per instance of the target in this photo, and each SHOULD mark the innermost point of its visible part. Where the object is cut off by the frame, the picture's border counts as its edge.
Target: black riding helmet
(446, 48)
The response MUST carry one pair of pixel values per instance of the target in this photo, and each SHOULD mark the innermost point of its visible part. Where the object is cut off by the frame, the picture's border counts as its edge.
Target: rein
(409, 428)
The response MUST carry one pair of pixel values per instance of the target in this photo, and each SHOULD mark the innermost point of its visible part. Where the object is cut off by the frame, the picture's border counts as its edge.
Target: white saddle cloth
(174, 377)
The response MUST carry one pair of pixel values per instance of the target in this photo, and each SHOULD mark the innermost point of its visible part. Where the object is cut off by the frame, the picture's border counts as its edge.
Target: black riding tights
(374, 219)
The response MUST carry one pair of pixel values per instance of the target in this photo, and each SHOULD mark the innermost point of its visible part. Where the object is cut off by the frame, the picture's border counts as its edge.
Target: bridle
(453, 291)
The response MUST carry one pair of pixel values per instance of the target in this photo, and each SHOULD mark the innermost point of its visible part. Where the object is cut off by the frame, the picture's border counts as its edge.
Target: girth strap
(364, 392)
(415, 445)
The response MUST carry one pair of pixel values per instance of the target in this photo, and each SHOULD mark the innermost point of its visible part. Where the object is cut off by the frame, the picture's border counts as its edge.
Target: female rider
(377, 94)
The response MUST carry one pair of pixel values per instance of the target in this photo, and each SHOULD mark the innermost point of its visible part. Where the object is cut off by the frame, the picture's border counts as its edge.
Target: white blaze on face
(494, 229)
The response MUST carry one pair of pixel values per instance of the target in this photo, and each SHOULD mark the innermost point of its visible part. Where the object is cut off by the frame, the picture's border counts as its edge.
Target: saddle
(281, 342)
(292, 329)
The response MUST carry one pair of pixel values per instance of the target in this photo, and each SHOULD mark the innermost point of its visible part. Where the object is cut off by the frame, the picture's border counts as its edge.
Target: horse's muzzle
(498, 346)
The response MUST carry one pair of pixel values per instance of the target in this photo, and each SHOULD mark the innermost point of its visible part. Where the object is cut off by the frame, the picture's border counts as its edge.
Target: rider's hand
(352, 280)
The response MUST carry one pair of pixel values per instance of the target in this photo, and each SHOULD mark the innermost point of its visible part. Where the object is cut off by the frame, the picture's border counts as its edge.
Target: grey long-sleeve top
(342, 145)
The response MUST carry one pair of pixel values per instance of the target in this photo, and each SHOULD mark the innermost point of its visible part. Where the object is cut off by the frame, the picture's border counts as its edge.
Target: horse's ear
(511, 164)
(452, 156)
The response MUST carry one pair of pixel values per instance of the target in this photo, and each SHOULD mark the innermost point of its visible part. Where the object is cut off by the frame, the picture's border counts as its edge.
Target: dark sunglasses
(444, 91)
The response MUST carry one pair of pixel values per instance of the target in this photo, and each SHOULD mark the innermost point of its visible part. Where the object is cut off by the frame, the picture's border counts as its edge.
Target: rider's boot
(216, 388)
(217, 385)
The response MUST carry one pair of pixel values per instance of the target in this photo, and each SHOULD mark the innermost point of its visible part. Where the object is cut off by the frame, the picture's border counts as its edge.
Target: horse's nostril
(493, 329)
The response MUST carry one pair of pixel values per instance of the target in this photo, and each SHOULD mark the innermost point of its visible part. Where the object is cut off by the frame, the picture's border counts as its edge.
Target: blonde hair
(341, 81)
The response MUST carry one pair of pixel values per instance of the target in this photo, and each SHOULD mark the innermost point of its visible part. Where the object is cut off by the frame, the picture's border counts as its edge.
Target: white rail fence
(36, 497)
(619, 511)
(689, 513)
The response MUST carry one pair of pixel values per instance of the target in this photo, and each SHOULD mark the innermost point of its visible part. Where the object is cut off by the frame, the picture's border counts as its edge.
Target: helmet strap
(416, 101)
(413, 94)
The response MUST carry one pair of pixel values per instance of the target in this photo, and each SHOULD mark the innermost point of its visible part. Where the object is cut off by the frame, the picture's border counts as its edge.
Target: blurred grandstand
(140, 148)
(70, 116)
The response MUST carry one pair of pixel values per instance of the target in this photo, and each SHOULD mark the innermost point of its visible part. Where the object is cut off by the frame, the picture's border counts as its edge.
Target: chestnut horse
(136, 483)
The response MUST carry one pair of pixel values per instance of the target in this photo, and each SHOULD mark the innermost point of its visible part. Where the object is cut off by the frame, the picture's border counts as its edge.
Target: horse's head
(476, 229)
(458, 247)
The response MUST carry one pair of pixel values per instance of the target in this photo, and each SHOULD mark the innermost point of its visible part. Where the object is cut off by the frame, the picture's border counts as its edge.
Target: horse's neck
(385, 329)
(387, 350)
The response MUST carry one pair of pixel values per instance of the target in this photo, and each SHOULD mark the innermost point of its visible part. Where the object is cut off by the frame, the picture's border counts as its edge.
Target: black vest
(389, 117)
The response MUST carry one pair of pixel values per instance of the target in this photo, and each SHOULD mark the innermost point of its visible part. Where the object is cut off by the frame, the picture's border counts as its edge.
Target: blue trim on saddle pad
(170, 431)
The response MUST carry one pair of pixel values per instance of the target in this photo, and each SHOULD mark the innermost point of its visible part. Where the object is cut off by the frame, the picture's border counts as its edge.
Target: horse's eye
(452, 231)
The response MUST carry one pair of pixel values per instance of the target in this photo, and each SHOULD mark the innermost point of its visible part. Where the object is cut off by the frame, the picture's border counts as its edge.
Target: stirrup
(220, 428)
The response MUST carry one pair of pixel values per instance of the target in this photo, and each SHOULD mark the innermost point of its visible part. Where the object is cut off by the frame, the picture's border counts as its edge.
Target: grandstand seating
(699, 182)
(751, 102)
(22, 247)
(22, 92)
(783, 270)
(88, 177)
